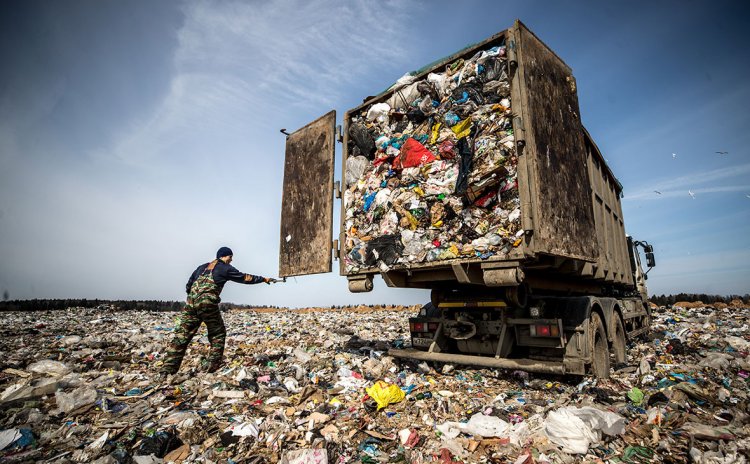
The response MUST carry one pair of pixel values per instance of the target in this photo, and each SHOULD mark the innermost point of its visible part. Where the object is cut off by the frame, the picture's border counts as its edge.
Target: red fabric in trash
(413, 439)
(446, 457)
(412, 154)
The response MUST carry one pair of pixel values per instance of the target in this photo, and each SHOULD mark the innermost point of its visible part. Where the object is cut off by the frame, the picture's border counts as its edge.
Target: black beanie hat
(224, 251)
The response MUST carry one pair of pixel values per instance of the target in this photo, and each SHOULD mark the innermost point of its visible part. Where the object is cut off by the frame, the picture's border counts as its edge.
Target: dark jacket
(222, 273)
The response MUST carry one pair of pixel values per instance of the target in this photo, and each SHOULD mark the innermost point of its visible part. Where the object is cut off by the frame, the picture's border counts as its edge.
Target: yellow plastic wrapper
(385, 394)
(462, 129)
(411, 221)
(435, 133)
(454, 249)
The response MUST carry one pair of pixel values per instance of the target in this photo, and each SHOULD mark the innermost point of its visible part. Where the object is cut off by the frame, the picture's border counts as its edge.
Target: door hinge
(337, 189)
(335, 245)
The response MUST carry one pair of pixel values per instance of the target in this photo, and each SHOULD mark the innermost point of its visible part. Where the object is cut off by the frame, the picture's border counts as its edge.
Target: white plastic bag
(486, 426)
(406, 79)
(450, 430)
(716, 360)
(8, 436)
(78, 398)
(576, 429)
(739, 344)
(355, 167)
(379, 112)
(305, 456)
(49, 367)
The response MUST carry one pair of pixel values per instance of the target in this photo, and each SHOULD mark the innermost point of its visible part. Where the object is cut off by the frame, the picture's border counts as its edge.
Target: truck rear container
(474, 177)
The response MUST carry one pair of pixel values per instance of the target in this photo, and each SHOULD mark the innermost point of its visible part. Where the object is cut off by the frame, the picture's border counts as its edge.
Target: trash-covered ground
(318, 387)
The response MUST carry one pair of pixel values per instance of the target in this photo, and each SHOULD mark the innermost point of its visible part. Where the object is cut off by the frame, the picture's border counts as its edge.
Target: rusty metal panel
(613, 261)
(563, 212)
(307, 203)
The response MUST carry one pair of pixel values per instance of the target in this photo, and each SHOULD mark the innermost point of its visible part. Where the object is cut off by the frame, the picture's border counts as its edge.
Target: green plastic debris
(636, 396)
(635, 454)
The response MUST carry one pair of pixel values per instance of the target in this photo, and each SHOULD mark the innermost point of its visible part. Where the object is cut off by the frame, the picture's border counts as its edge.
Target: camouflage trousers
(188, 324)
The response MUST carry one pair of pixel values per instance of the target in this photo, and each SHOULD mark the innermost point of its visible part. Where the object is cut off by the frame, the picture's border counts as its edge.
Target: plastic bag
(486, 426)
(716, 360)
(450, 430)
(576, 429)
(385, 394)
(78, 398)
(402, 98)
(355, 167)
(9, 436)
(305, 456)
(636, 396)
(362, 140)
(159, 444)
(379, 112)
(655, 416)
(406, 79)
(739, 344)
(49, 367)
(413, 154)
(386, 249)
(462, 129)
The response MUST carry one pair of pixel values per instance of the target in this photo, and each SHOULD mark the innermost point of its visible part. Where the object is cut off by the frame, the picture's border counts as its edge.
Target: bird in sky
(747, 196)
(674, 155)
(692, 195)
(723, 152)
(656, 191)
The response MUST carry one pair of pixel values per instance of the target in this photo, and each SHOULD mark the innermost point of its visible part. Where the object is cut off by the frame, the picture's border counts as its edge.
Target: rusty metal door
(307, 203)
(555, 147)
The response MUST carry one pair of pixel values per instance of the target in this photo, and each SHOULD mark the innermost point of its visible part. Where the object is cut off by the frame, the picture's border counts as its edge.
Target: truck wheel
(618, 344)
(600, 361)
(429, 310)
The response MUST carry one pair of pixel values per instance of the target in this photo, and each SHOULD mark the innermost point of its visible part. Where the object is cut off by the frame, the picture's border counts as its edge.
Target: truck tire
(430, 310)
(600, 350)
(618, 343)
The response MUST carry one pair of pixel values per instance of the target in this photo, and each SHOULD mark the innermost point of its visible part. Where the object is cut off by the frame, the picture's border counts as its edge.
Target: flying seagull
(692, 195)
(747, 196)
(674, 155)
(657, 192)
(723, 152)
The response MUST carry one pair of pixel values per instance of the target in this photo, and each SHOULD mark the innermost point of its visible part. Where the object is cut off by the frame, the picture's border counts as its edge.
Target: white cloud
(695, 182)
(238, 62)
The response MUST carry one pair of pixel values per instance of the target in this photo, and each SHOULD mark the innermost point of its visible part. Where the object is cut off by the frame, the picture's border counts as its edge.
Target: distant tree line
(127, 305)
(105, 305)
(668, 300)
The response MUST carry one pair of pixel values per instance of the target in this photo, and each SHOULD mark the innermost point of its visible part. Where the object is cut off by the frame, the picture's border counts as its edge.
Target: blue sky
(138, 137)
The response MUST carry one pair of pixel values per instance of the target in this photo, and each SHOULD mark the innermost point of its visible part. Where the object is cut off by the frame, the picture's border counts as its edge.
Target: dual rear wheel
(601, 351)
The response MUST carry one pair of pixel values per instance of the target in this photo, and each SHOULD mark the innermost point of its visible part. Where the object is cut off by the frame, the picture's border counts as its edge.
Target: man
(203, 289)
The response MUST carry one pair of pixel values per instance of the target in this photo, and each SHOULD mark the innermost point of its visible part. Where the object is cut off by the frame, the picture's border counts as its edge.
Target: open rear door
(563, 210)
(307, 203)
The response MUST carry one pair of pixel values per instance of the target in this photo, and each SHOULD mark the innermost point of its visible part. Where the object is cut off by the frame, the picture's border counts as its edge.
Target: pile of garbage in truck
(431, 171)
(310, 386)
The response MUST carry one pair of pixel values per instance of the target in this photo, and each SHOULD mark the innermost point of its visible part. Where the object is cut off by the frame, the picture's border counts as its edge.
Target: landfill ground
(317, 386)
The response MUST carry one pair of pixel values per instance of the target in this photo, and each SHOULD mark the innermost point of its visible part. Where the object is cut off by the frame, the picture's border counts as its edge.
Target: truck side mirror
(650, 261)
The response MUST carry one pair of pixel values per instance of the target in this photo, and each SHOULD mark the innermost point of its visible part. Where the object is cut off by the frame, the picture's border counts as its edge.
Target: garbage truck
(475, 178)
